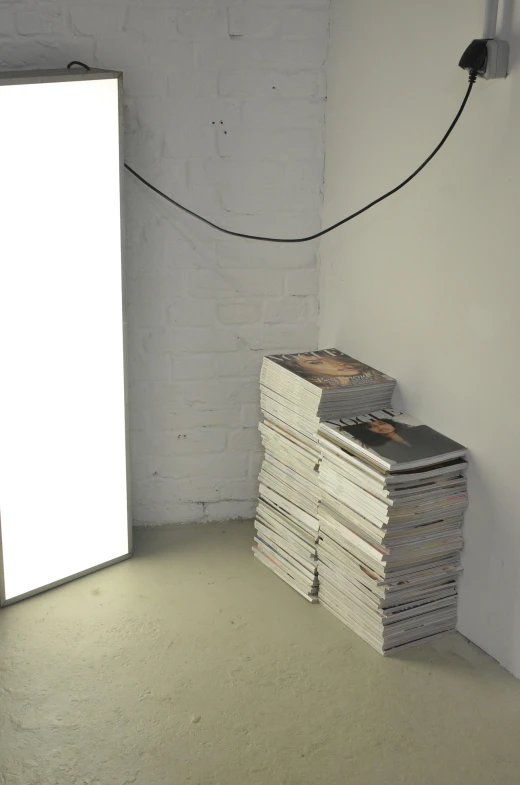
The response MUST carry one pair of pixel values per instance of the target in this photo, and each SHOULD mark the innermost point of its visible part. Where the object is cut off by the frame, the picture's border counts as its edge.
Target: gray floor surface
(192, 664)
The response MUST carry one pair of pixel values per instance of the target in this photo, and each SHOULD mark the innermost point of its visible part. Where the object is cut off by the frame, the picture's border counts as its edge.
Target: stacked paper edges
(297, 392)
(393, 495)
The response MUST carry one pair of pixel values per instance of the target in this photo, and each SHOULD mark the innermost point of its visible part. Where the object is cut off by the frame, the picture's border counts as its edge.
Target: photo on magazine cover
(328, 368)
(396, 436)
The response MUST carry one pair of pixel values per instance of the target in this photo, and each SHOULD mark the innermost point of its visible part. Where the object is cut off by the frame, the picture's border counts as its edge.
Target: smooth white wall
(224, 110)
(425, 286)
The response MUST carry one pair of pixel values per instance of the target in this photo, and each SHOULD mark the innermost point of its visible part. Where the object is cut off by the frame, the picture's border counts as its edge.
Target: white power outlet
(497, 59)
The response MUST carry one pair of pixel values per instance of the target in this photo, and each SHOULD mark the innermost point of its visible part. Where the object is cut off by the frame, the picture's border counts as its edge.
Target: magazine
(327, 368)
(392, 438)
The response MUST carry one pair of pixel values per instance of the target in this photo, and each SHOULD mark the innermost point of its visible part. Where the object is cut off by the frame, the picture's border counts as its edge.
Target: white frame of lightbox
(74, 75)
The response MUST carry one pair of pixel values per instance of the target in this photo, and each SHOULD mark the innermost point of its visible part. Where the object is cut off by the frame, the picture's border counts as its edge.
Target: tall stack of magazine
(393, 497)
(298, 391)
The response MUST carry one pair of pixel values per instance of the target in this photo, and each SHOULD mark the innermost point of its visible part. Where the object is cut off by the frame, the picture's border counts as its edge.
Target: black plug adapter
(475, 56)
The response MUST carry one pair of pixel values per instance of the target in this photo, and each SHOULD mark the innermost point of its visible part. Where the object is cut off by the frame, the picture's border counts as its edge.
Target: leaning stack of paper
(297, 391)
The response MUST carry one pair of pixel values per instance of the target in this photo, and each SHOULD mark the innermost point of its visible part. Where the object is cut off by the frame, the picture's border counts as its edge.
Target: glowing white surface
(63, 494)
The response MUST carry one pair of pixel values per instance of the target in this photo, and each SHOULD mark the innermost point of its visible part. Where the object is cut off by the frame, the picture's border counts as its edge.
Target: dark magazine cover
(395, 436)
(328, 368)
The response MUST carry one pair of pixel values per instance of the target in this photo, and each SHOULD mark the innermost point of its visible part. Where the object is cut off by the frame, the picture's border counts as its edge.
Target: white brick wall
(224, 109)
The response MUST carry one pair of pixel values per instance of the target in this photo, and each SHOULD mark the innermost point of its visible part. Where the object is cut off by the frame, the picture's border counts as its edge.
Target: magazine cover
(328, 368)
(395, 436)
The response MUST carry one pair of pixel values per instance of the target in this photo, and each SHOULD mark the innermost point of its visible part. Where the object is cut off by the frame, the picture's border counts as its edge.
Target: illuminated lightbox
(63, 459)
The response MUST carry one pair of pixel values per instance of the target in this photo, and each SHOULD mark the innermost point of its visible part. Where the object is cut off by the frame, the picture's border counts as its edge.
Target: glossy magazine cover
(328, 368)
(394, 436)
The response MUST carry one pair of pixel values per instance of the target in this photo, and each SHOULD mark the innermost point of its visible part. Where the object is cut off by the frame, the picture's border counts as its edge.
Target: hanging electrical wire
(316, 235)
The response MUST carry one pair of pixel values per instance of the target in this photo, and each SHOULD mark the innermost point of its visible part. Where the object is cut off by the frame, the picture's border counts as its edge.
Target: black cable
(77, 62)
(472, 79)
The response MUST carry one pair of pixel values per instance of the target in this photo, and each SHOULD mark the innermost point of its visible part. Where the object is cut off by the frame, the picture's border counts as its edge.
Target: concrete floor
(193, 664)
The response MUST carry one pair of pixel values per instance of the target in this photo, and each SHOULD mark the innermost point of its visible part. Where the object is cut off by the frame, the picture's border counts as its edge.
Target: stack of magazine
(300, 390)
(393, 495)
(297, 392)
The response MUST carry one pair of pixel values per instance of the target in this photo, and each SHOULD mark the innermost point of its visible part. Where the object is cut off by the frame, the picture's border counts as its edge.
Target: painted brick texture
(224, 110)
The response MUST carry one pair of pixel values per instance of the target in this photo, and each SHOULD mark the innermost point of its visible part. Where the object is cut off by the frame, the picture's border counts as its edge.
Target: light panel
(63, 476)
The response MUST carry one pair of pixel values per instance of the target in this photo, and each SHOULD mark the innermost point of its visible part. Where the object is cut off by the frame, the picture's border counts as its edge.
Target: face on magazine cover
(330, 366)
(381, 426)
(375, 433)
